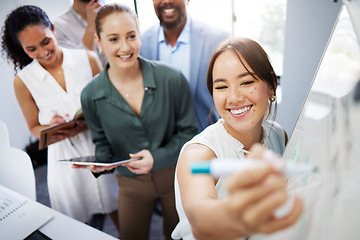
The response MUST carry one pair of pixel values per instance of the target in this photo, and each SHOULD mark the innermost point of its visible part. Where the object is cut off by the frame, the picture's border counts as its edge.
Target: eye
(132, 36)
(113, 39)
(220, 87)
(46, 42)
(30, 49)
(246, 83)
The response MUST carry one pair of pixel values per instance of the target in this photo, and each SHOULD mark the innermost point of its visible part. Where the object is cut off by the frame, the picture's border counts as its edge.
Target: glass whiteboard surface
(327, 135)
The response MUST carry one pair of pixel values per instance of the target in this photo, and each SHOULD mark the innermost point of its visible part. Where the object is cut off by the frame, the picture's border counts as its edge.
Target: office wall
(10, 112)
(309, 24)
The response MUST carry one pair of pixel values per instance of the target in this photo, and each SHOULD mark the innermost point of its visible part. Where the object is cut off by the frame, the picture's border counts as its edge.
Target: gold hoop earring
(272, 98)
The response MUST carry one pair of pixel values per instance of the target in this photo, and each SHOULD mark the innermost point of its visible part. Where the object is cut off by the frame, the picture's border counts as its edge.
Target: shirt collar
(184, 35)
(38, 70)
(41, 72)
(148, 76)
(103, 86)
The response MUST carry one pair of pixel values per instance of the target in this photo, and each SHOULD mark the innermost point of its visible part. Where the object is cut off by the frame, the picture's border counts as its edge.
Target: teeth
(125, 56)
(47, 56)
(169, 10)
(239, 111)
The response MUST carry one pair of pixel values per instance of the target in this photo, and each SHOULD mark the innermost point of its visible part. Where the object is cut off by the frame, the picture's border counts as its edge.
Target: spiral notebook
(19, 215)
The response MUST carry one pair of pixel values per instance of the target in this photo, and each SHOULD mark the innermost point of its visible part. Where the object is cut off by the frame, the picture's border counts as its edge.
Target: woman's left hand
(142, 166)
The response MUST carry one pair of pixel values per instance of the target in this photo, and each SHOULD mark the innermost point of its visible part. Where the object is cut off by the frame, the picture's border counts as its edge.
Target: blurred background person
(76, 27)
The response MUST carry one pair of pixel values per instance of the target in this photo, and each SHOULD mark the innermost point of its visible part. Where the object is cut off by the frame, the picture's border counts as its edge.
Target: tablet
(91, 160)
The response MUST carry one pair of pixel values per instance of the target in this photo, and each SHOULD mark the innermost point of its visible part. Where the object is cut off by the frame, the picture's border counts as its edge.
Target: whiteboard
(327, 134)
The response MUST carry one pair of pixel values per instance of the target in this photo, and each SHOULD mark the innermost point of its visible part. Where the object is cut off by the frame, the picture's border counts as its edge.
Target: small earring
(100, 51)
(272, 98)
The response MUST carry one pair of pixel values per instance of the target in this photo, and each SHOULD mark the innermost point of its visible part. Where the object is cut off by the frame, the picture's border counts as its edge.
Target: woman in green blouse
(139, 109)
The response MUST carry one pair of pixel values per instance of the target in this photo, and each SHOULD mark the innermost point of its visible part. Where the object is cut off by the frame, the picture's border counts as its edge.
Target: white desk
(63, 227)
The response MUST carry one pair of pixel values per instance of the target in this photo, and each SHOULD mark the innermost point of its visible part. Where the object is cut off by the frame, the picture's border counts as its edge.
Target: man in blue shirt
(186, 44)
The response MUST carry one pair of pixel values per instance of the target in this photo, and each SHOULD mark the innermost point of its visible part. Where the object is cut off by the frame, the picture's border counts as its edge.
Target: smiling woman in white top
(242, 83)
(48, 88)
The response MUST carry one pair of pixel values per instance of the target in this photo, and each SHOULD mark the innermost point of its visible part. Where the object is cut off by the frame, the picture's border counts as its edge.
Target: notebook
(19, 215)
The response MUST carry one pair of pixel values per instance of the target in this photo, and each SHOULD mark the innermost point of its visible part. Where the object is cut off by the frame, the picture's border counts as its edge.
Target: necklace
(127, 94)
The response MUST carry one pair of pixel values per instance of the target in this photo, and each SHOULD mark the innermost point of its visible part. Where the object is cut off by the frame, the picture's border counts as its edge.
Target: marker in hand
(224, 167)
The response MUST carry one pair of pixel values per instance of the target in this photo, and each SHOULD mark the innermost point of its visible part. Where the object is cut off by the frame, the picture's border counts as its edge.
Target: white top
(224, 146)
(70, 28)
(74, 192)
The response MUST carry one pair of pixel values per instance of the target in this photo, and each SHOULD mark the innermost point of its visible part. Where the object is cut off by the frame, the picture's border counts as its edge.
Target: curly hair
(15, 22)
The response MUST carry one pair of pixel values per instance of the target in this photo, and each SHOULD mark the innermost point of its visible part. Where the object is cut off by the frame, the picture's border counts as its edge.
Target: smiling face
(240, 99)
(170, 13)
(39, 43)
(120, 39)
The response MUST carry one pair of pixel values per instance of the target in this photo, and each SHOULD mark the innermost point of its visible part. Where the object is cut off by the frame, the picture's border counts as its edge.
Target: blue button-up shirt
(177, 56)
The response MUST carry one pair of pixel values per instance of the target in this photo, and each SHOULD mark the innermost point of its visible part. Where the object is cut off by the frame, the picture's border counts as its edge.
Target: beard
(173, 24)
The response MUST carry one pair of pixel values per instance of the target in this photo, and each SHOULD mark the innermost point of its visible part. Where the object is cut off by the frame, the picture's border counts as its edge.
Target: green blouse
(165, 123)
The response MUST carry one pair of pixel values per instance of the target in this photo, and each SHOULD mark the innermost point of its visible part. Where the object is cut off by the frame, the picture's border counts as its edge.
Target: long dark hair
(15, 22)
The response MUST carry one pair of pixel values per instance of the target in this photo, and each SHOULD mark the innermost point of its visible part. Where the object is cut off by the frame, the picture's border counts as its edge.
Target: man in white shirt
(76, 27)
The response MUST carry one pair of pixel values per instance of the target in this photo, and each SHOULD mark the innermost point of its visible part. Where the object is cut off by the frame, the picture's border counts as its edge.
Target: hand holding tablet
(91, 160)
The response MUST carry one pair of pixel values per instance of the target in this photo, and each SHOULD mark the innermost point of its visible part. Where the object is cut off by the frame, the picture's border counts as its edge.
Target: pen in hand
(224, 167)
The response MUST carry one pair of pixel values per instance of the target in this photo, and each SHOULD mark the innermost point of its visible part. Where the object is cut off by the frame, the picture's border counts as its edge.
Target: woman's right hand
(256, 194)
(56, 120)
(66, 133)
